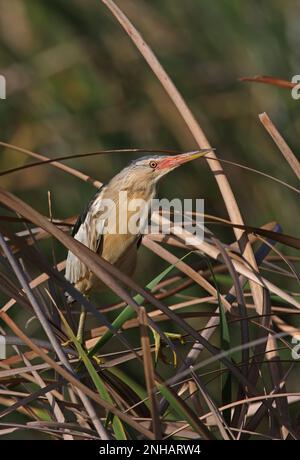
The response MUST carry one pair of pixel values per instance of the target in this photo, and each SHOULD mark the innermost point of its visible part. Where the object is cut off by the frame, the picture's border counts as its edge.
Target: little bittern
(139, 181)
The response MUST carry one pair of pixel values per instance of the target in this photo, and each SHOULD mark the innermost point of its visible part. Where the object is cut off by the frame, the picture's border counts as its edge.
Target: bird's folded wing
(88, 230)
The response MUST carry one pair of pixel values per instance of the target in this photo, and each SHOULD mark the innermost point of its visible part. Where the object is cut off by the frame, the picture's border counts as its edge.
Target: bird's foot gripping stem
(98, 360)
(80, 331)
(158, 345)
(81, 324)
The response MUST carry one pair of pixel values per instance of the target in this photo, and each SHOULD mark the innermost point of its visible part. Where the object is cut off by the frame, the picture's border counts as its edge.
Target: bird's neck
(134, 189)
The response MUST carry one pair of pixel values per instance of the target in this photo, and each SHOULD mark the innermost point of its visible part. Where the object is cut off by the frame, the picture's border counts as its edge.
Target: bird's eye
(153, 164)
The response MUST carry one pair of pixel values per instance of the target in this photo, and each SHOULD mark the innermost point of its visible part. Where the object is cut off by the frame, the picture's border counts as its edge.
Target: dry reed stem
(214, 253)
(198, 134)
(149, 373)
(70, 378)
(56, 164)
(281, 143)
(269, 80)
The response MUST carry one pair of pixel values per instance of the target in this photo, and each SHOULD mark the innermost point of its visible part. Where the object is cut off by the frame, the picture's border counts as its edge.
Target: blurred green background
(76, 84)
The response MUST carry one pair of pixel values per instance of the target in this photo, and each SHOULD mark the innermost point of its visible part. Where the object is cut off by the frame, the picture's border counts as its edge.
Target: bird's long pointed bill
(177, 160)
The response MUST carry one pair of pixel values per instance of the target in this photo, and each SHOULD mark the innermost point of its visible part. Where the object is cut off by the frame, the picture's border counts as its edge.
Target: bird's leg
(81, 324)
(157, 343)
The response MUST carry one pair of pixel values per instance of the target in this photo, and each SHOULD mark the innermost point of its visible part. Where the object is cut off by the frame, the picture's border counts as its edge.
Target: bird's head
(149, 170)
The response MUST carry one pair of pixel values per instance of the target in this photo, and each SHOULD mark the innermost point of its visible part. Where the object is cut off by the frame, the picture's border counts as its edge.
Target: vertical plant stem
(149, 373)
(45, 325)
(199, 136)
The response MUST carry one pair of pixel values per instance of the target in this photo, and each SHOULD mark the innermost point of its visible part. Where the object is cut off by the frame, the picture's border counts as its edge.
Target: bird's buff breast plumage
(139, 180)
(120, 249)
